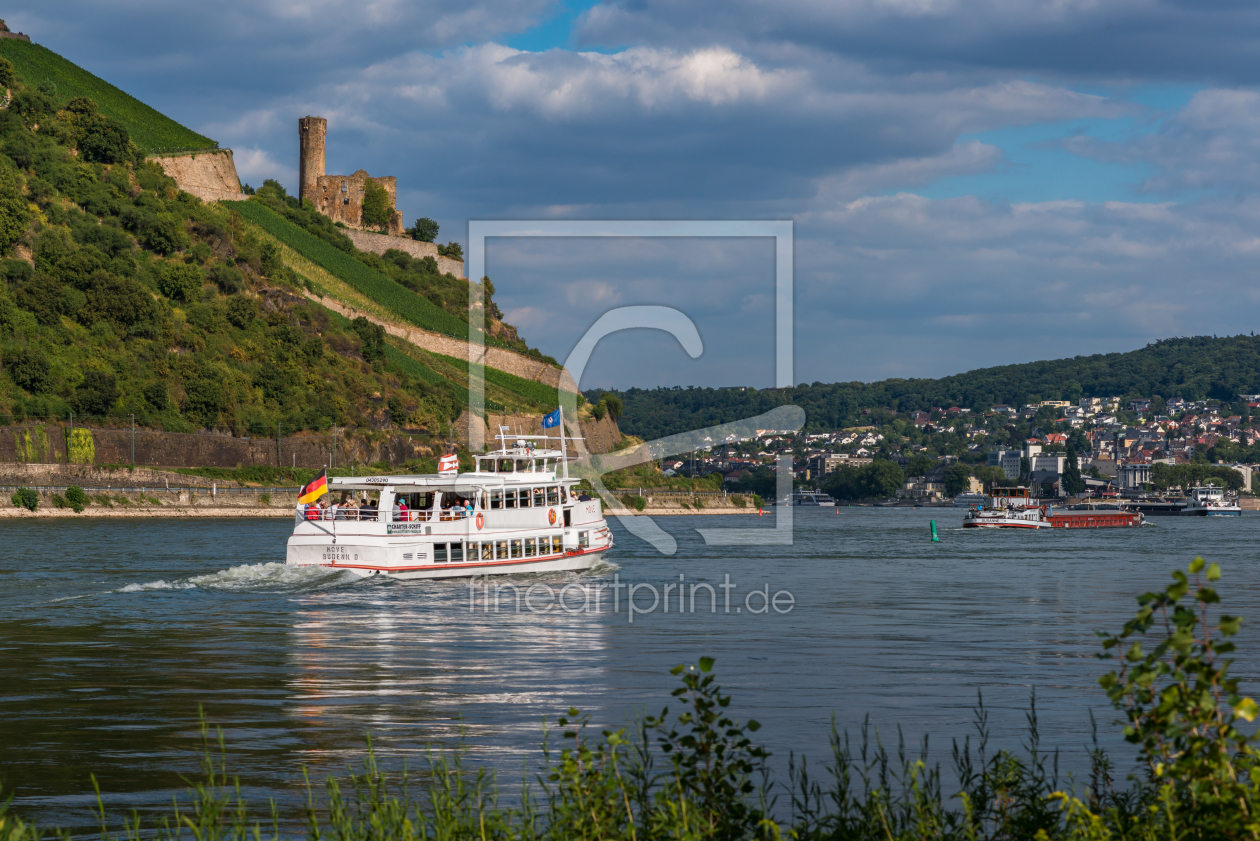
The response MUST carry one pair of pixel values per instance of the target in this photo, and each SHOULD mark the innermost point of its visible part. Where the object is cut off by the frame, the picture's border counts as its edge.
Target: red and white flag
(448, 464)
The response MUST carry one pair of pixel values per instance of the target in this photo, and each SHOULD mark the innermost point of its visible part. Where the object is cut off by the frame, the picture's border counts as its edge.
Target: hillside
(42, 69)
(121, 295)
(1199, 367)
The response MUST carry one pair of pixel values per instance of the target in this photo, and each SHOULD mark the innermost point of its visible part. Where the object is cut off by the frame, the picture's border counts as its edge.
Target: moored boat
(1211, 501)
(516, 512)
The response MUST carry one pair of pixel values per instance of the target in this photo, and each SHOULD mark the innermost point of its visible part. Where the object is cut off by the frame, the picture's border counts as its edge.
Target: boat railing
(411, 515)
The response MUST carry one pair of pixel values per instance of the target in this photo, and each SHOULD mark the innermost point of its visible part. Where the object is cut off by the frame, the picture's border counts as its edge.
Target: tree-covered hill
(43, 71)
(121, 295)
(1198, 367)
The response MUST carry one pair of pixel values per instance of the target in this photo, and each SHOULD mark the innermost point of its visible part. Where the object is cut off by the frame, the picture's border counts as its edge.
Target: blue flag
(551, 420)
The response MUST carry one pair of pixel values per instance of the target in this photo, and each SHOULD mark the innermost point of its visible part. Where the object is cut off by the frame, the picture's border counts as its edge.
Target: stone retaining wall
(514, 363)
(48, 445)
(210, 176)
(380, 243)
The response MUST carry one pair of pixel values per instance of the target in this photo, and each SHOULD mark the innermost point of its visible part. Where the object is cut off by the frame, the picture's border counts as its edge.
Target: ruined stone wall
(340, 198)
(48, 445)
(380, 243)
(210, 176)
(505, 360)
(600, 436)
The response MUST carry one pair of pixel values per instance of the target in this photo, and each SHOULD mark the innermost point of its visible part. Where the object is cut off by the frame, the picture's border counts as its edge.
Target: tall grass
(147, 127)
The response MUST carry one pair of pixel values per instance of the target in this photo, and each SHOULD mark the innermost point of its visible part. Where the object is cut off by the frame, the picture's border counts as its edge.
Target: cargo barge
(1014, 508)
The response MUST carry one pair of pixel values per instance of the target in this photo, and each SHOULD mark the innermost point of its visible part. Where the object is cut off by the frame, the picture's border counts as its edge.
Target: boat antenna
(564, 450)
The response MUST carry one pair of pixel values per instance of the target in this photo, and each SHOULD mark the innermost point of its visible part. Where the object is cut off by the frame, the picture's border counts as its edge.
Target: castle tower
(311, 134)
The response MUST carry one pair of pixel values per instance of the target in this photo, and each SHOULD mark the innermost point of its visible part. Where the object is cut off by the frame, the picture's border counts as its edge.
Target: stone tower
(311, 134)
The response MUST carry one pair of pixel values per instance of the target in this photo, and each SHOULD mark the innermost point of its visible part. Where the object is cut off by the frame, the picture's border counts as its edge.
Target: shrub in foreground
(26, 498)
(698, 775)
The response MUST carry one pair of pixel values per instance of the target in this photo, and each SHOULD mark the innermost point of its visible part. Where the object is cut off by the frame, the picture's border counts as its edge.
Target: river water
(114, 633)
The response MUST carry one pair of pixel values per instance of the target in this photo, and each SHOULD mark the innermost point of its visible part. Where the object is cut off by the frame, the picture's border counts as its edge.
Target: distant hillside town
(1097, 446)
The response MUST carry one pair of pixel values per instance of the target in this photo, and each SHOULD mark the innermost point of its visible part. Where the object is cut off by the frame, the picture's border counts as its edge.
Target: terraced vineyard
(149, 128)
(376, 286)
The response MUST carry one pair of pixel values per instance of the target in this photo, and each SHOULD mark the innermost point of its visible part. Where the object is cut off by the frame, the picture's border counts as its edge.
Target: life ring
(481, 520)
(551, 516)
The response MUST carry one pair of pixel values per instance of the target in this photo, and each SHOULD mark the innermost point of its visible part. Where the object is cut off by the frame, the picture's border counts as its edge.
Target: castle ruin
(339, 197)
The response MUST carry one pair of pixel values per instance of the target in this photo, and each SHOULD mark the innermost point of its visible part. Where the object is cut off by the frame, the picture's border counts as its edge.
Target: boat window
(457, 551)
(553, 495)
(496, 499)
(510, 494)
(516, 549)
(523, 493)
(439, 553)
(557, 545)
(540, 497)
(584, 539)
(530, 548)
(487, 551)
(500, 549)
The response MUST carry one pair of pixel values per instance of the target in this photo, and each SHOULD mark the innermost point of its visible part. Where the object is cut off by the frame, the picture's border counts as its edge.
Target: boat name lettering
(376, 480)
(335, 553)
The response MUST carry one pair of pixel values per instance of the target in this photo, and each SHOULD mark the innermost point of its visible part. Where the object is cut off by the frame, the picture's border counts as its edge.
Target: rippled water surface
(114, 633)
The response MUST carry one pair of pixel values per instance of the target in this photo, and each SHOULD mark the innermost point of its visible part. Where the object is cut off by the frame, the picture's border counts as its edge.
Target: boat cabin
(1011, 497)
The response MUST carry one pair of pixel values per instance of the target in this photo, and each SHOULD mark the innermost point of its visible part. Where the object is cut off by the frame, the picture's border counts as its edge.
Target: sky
(970, 183)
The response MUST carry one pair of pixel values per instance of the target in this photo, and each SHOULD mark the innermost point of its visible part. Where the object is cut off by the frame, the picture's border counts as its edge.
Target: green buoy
(935, 539)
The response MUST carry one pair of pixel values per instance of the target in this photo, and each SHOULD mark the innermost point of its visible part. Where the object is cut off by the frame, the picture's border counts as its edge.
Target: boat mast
(564, 450)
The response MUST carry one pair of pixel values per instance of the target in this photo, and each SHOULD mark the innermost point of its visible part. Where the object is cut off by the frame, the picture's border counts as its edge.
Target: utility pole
(133, 440)
(278, 463)
(70, 438)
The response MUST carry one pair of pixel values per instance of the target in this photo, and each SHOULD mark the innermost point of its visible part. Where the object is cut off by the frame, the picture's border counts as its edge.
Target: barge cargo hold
(1094, 519)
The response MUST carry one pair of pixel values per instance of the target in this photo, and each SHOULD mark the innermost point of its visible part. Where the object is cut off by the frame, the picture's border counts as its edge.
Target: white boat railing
(419, 515)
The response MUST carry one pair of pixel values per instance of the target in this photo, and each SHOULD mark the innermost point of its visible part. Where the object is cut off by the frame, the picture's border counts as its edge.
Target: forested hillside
(1198, 367)
(121, 295)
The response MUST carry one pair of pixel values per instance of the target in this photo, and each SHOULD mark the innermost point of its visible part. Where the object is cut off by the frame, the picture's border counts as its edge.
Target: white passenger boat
(517, 512)
(967, 500)
(1211, 501)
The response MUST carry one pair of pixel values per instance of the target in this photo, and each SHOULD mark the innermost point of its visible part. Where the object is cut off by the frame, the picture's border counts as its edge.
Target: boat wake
(254, 578)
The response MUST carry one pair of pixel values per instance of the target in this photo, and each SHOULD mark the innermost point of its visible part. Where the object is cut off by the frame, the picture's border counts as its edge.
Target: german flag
(313, 490)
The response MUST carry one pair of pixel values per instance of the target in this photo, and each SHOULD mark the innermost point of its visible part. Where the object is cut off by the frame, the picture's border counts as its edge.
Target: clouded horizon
(971, 184)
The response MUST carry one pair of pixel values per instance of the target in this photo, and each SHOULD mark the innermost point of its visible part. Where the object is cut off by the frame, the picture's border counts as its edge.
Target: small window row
(527, 497)
(498, 550)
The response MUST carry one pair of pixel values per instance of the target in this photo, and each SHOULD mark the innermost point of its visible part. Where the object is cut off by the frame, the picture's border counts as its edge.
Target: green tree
(957, 478)
(180, 281)
(426, 230)
(105, 141)
(376, 208)
(166, 234)
(8, 76)
(1073, 484)
(30, 369)
(453, 250)
(15, 213)
(96, 394)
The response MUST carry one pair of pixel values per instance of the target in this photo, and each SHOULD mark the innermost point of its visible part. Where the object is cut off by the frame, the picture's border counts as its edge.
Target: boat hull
(574, 562)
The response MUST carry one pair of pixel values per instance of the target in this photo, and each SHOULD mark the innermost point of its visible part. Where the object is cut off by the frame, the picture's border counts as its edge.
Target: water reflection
(419, 667)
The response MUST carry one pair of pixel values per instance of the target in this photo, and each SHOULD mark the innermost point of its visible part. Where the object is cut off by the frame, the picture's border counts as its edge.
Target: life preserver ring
(481, 520)
(551, 516)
